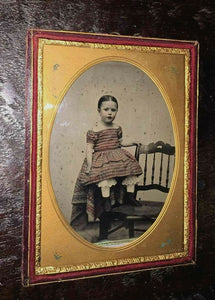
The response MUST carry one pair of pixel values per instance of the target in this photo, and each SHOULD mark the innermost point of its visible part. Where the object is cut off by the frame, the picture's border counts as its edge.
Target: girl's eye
(113, 110)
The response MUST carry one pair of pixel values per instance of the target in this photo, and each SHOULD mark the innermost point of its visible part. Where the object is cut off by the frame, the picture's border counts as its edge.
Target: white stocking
(105, 191)
(105, 186)
(130, 188)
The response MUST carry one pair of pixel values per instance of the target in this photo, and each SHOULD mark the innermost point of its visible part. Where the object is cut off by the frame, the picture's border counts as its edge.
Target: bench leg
(131, 228)
(104, 225)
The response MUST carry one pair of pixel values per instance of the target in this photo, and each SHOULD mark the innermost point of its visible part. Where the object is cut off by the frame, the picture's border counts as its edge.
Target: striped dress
(109, 160)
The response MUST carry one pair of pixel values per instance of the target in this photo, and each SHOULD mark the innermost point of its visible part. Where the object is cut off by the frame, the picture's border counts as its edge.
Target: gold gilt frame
(52, 250)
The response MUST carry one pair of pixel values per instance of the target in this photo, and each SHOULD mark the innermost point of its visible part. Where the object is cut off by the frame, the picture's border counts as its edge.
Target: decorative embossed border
(33, 272)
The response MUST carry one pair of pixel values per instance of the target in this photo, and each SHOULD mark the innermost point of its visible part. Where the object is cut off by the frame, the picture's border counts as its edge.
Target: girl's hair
(107, 98)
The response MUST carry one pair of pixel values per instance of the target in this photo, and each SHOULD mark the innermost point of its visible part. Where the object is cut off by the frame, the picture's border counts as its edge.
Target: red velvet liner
(116, 40)
(192, 150)
(27, 162)
(33, 161)
(111, 270)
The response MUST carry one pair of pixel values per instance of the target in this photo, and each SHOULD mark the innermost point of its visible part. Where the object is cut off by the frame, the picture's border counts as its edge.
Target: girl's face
(108, 111)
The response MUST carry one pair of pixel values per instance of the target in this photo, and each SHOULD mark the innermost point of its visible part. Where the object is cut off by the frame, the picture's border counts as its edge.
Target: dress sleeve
(91, 137)
(120, 132)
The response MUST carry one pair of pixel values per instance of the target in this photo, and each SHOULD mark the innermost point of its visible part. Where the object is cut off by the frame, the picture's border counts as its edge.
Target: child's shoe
(106, 204)
(131, 200)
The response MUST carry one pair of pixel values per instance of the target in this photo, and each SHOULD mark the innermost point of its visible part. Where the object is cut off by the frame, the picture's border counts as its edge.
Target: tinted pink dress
(109, 160)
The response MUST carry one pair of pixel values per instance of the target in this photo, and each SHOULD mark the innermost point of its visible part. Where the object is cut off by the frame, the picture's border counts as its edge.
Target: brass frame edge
(152, 49)
(37, 30)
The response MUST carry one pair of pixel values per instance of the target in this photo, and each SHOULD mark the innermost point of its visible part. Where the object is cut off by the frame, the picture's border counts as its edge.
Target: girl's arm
(89, 155)
(123, 144)
(128, 144)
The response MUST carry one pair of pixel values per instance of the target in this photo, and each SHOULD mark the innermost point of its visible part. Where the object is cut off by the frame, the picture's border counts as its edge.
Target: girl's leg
(130, 182)
(119, 194)
(132, 200)
(104, 226)
(105, 190)
(106, 198)
(105, 217)
(130, 188)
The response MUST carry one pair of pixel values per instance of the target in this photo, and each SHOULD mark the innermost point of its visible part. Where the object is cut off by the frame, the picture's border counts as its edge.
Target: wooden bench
(157, 161)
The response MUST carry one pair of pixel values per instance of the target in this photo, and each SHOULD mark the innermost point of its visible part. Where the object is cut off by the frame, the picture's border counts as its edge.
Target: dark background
(182, 19)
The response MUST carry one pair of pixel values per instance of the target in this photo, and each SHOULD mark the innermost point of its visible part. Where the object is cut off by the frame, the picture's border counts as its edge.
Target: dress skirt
(109, 161)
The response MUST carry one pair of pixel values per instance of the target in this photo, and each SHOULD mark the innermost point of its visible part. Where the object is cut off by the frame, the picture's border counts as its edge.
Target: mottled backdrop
(143, 115)
(176, 19)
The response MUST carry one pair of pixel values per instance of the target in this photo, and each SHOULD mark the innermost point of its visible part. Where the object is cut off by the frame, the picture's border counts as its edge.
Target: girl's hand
(89, 156)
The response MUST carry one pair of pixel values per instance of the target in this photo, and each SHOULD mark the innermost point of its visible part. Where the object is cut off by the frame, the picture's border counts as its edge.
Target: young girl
(105, 165)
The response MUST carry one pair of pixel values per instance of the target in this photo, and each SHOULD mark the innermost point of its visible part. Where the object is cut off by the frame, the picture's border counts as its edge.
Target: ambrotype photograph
(112, 153)
(110, 182)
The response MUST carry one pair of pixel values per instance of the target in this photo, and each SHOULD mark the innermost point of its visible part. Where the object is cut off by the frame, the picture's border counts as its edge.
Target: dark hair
(107, 98)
